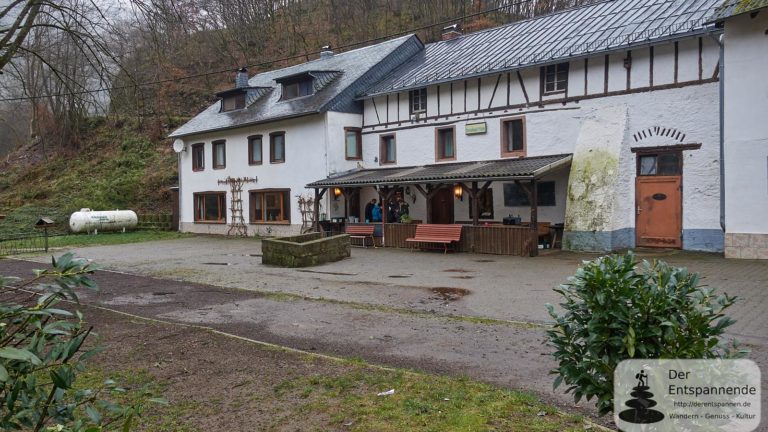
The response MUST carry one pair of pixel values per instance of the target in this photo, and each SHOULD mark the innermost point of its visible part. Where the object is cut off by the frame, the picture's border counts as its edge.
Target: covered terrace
(471, 179)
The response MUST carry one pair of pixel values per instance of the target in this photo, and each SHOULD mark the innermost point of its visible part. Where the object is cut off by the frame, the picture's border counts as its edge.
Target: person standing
(376, 213)
(369, 210)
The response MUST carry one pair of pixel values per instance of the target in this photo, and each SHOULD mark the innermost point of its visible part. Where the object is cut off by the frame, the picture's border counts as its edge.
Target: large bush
(42, 352)
(614, 311)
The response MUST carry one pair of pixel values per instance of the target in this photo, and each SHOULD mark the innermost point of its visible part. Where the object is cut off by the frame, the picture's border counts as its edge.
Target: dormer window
(233, 102)
(305, 83)
(292, 90)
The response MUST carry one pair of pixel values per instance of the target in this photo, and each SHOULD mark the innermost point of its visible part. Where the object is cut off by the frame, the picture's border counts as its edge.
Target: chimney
(326, 52)
(452, 31)
(241, 79)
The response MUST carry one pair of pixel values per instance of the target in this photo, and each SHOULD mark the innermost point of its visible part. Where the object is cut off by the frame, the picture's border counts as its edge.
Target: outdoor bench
(429, 235)
(362, 232)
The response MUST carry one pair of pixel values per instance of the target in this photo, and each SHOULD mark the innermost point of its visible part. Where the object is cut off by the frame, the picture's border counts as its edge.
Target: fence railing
(27, 243)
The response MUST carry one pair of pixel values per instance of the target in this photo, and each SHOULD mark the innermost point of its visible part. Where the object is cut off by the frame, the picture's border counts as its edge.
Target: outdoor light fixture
(336, 193)
(458, 191)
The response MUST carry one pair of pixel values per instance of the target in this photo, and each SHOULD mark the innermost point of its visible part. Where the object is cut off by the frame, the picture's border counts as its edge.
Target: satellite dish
(178, 146)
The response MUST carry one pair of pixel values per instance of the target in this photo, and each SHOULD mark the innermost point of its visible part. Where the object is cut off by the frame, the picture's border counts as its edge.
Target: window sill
(353, 158)
(211, 222)
(270, 223)
(220, 167)
(388, 163)
(276, 162)
(518, 154)
(552, 93)
(198, 169)
(450, 159)
(255, 163)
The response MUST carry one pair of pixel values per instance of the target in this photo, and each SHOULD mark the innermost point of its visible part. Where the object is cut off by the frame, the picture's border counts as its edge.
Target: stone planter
(304, 250)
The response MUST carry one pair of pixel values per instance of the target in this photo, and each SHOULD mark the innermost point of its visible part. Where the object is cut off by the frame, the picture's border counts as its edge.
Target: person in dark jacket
(369, 210)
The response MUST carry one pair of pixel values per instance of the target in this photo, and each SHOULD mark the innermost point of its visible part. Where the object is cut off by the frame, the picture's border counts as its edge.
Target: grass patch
(420, 403)
(78, 240)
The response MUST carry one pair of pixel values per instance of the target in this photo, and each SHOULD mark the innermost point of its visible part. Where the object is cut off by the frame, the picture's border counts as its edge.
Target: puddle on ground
(484, 260)
(162, 293)
(458, 270)
(327, 272)
(450, 294)
(245, 255)
(216, 263)
(462, 277)
(400, 276)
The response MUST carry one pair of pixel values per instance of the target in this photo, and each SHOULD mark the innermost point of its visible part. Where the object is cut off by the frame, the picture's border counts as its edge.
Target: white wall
(553, 128)
(746, 129)
(308, 143)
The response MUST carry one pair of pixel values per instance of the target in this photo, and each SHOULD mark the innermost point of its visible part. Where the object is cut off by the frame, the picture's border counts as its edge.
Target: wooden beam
(522, 87)
(475, 205)
(316, 209)
(534, 251)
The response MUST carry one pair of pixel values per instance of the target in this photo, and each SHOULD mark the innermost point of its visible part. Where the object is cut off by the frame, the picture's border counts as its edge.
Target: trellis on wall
(237, 226)
(306, 207)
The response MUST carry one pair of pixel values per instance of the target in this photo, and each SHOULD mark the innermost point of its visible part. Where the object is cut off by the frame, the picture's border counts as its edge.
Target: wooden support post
(474, 195)
(316, 210)
(428, 194)
(531, 191)
(534, 220)
(347, 194)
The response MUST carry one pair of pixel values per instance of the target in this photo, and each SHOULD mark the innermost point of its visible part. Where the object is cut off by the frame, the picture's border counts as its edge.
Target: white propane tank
(87, 220)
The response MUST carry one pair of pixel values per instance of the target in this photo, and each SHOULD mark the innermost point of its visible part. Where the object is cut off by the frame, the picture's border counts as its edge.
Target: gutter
(242, 125)
(721, 42)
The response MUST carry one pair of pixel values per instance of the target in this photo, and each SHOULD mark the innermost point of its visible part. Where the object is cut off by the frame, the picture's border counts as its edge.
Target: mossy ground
(119, 166)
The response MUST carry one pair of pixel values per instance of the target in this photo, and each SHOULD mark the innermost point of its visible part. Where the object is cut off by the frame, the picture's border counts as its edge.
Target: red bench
(430, 235)
(362, 232)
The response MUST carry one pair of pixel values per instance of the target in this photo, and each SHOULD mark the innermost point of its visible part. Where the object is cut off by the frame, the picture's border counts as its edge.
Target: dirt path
(508, 355)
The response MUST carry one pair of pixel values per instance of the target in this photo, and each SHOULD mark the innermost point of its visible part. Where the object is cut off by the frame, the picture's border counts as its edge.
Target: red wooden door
(442, 207)
(659, 210)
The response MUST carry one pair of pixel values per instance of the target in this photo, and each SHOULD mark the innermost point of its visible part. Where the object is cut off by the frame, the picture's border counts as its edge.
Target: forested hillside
(89, 90)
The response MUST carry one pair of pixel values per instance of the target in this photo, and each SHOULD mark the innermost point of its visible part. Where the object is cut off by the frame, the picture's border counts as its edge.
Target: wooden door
(659, 210)
(442, 207)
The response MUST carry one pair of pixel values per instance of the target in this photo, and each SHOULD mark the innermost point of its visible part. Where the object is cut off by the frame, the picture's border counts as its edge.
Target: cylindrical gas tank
(87, 220)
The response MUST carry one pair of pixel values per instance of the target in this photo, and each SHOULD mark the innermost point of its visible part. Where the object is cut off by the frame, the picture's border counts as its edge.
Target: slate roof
(341, 77)
(731, 8)
(598, 27)
(497, 169)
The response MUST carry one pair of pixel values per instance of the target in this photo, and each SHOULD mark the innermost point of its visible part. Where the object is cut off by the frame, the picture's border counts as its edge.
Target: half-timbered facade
(630, 89)
(602, 120)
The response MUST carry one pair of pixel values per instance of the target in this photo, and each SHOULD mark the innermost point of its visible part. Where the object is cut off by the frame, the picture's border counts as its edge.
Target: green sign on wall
(475, 128)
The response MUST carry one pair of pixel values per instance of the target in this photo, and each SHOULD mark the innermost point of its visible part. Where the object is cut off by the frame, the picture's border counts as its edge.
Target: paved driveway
(342, 322)
(499, 287)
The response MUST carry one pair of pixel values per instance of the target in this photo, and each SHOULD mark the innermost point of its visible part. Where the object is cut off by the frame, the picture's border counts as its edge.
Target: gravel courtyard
(478, 315)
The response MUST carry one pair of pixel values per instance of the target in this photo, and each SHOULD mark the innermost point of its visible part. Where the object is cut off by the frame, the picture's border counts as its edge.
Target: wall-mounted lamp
(336, 193)
(628, 63)
(458, 191)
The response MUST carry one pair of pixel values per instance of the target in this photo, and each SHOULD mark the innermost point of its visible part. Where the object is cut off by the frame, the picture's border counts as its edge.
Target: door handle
(638, 210)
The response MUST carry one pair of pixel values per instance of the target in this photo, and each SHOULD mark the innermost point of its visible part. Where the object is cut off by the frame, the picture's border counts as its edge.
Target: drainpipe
(721, 42)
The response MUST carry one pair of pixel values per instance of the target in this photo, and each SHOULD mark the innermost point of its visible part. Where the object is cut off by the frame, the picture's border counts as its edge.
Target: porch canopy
(473, 177)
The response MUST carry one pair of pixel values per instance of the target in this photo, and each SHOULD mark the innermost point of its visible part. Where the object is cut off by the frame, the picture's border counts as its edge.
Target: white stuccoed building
(745, 131)
(601, 122)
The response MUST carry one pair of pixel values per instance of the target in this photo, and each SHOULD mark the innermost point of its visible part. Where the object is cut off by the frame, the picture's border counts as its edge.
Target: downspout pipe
(721, 42)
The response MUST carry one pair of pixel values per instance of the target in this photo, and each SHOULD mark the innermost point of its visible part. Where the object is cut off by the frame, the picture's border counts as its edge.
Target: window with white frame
(418, 100)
